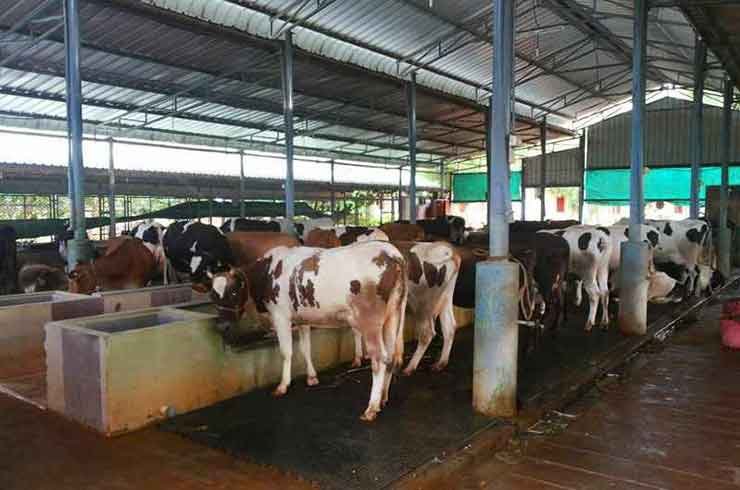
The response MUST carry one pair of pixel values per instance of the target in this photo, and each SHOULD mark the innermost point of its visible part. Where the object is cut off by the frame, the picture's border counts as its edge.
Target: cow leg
(603, 283)
(447, 322)
(594, 295)
(357, 361)
(425, 331)
(375, 350)
(285, 341)
(579, 292)
(304, 336)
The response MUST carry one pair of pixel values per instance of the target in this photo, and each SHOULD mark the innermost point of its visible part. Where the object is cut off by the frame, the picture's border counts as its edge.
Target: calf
(300, 286)
(34, 278)
(403, 232)
(244, 224)
(127, 264)
(590, 252)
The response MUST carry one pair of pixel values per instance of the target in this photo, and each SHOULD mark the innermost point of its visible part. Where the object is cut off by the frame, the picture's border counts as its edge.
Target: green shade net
(473, 187)
(612, 187)
(26, 229)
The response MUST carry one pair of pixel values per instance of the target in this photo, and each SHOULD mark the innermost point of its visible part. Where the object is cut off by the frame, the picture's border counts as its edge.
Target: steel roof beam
(485, 38)
(587, 22)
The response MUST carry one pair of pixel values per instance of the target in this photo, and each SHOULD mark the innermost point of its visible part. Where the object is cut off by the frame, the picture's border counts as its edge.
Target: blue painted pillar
(79, 248)
(697, 125)
(288, 121)
(411, 101)
(497, 279)
(725, 240)
(635, 254)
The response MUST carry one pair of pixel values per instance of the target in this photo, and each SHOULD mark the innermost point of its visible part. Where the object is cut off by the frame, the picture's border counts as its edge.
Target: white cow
(362, 286)
(590, 253)
(681, 244)
(152, 234)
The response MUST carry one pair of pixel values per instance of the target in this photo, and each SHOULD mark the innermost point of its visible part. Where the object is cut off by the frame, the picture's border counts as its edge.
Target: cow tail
(394, 325)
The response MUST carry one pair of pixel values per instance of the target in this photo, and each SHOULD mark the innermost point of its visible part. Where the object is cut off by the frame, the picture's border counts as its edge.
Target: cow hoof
(588, 327)
(369, 415)
(408, 371)
(312, 381)
(438, 366)
(356, 362)
(279, 391)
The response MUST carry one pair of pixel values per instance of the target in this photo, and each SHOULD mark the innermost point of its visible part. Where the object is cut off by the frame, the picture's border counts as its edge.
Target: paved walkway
(672, 420)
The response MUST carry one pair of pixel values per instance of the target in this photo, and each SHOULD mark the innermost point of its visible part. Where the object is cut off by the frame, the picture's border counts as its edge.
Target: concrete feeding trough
(119, 372)
(22, 319)
(136, 299)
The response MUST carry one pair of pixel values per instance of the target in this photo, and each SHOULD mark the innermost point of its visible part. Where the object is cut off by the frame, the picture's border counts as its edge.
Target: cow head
(229, 292)
(82, 279)
(457, 229)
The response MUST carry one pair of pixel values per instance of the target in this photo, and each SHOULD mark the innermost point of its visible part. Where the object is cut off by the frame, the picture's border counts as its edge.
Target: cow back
(403, 232)
(248, 246)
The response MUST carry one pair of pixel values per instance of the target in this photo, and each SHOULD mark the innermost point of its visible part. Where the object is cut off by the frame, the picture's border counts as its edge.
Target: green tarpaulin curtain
(672, 184)
(473, 187)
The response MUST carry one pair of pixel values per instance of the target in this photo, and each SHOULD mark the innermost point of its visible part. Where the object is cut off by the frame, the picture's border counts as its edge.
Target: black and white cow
(151, 234)
(590, 253)
(197, 249)
(245, 224)
(680, 247)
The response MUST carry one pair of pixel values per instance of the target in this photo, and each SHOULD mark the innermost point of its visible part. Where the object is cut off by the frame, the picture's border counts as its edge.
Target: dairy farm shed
(557, 179)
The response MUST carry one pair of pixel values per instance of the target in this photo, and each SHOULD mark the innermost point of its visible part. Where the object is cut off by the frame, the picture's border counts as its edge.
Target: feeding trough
(119, 372)
(136, 299)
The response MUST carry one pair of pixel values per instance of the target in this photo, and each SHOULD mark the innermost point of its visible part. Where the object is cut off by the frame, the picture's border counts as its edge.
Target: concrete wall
(136, 299)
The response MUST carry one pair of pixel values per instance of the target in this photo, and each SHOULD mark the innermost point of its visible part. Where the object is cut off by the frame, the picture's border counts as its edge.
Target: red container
(730, 333)
(731, 308)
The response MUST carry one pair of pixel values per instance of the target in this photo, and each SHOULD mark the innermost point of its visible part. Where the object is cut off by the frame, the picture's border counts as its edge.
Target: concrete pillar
(634, 254)
(697, 126)
(79, 248)
(725, 240)
(333, 195)
(497, 279)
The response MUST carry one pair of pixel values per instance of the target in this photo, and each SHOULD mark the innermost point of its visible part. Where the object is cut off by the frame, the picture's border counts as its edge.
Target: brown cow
(322, 238)
(127, 264)
(301, 286)
(403, 232)
(249, 246)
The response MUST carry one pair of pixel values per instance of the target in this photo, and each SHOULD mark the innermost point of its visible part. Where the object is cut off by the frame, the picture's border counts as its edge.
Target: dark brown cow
(249, 246)
(127, 264)
(403, 232)
(322, 238)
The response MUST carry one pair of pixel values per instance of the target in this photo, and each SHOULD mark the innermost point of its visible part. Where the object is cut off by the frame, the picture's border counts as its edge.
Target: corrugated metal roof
(221, 57)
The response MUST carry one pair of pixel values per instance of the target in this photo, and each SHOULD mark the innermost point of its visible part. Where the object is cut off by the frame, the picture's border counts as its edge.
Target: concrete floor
(670, 420)
(40, 451)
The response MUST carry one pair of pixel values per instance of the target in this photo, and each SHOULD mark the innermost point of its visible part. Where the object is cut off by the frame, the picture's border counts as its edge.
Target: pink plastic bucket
(730, 333)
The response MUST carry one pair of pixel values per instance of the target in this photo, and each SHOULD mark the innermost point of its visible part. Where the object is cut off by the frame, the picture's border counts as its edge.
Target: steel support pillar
(288, 115)
(582, 156)
(79, 248)
(635, 254)
(242, 209)
(725, 240)
(489, 159)
(111, 189)
(497, 279)
(543, 167)
(333, 201)
(401, 214)
(411, 111)
(697, 126)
